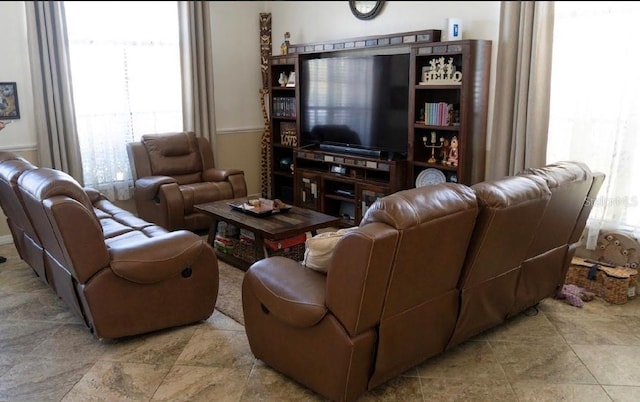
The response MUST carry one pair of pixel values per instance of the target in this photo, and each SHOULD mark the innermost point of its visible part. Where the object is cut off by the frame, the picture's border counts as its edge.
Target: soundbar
(373, 153)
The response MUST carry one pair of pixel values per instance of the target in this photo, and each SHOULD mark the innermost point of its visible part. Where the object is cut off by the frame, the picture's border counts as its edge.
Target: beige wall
(235, 31)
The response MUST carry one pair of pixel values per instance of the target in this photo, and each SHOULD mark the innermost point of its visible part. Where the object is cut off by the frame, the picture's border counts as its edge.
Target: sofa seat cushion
(198, 193)
(288, 291)
(112, 228)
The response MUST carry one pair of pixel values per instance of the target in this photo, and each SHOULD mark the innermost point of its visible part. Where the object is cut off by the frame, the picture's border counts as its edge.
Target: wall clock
(365, 10)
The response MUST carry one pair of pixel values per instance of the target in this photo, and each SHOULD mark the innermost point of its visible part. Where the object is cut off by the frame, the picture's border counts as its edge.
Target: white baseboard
(7, 239)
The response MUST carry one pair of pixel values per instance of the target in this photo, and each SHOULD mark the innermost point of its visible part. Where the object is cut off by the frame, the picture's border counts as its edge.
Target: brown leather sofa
(25, 238)
(427, 269)
(175, 171)
(120, 274)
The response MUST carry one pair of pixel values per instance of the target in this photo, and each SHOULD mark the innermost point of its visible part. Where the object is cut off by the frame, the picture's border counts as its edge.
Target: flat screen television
(356, 104)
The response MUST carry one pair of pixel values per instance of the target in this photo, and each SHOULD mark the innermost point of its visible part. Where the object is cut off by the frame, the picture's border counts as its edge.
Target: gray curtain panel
(197, 67)
(58, 145)
(523, 83)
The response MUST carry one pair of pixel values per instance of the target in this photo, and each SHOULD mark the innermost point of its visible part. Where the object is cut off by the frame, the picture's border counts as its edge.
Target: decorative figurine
(284, 48)
(452, 160)
(433, 146)
(444, 151)
(283, 79)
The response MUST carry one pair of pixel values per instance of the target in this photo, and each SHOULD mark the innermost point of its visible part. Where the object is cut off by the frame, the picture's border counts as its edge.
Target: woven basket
(616, 285)
(295, 252)
(245, 250)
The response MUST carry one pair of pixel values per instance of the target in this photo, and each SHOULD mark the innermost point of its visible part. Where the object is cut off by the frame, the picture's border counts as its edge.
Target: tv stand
(344, 180)
(341, 184)
(346, 149)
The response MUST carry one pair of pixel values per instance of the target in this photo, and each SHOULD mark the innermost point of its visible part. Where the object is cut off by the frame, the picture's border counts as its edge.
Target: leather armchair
(175, 171)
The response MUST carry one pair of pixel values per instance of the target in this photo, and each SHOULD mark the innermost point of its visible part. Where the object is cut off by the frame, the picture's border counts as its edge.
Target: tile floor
(563, 353)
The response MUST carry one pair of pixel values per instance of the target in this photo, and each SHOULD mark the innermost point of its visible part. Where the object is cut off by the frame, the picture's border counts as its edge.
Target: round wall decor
(365, 10)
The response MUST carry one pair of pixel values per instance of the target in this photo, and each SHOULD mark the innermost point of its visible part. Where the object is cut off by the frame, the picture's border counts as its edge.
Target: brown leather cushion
(174, 154)
(198, 193)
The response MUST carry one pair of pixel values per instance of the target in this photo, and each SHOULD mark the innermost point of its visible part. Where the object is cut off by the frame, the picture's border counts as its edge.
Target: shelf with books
(450, 82)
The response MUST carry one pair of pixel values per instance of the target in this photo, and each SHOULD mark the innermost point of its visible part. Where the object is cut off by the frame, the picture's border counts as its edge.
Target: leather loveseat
(426, 269)
(120, 274)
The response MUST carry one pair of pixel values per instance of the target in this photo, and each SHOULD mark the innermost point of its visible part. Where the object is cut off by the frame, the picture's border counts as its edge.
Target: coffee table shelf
(274, 227)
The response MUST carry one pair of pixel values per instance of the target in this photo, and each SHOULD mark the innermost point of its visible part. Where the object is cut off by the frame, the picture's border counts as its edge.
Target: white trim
(247, 130)
(20, 148)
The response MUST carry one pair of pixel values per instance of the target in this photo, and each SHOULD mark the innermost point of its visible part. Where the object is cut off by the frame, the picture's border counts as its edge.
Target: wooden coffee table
(277, 226)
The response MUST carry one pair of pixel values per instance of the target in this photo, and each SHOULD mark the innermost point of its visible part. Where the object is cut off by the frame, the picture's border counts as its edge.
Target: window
(595, 102)
(125, 68)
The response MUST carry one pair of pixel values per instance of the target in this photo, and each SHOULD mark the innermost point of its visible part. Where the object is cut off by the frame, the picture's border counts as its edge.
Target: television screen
(359, 102)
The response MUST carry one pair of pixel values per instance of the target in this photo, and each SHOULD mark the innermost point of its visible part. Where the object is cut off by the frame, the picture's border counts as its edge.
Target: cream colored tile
(596, 329)
(193, 384)
(533, 391)
(40, 306)
(525, 328)
(161, 347)
(596, 306)
(41, 379)
(466, 390)
(70, 341)
(472, 359)
(217, 348)
(8, 360)
(23, 336)
(116, 381)
(553, 363)
(611, 365)
(397, 389)
(266, 384)
(218, 320)
(623, 394)
(16, 279)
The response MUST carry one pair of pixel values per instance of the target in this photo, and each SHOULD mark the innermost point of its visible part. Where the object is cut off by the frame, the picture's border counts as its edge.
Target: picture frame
(288, 135)
(291, 81)
(9, 108)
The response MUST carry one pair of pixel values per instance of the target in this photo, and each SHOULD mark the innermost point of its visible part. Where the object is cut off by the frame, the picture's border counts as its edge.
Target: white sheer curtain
(595, 104)
(125, 68)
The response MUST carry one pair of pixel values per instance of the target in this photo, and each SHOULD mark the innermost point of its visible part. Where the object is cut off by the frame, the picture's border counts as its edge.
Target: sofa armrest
(291, 292)
(157, 258)
(94, 195)
(147, 187)
(219, 174)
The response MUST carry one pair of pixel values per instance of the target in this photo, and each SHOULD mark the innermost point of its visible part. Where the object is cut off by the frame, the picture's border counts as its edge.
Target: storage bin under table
(276, 234)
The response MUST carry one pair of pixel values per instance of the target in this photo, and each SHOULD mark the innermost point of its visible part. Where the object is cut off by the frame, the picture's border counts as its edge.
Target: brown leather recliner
(175, 171)
(25, 238)
(511, 210)
(120, 274)
(388, 302)
(573, 191)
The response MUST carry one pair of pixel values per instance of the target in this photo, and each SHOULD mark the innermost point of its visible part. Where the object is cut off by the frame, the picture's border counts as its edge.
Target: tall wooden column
(265, 142)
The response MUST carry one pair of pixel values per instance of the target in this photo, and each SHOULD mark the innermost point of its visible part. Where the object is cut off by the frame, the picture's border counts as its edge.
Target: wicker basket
(245, 250)
(292, 248)
(616, 285)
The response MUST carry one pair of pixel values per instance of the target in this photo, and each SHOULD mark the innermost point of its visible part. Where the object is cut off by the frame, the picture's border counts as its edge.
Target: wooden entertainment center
(447, 98)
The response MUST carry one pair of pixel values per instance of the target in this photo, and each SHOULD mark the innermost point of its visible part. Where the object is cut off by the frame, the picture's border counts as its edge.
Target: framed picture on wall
(9, 108)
